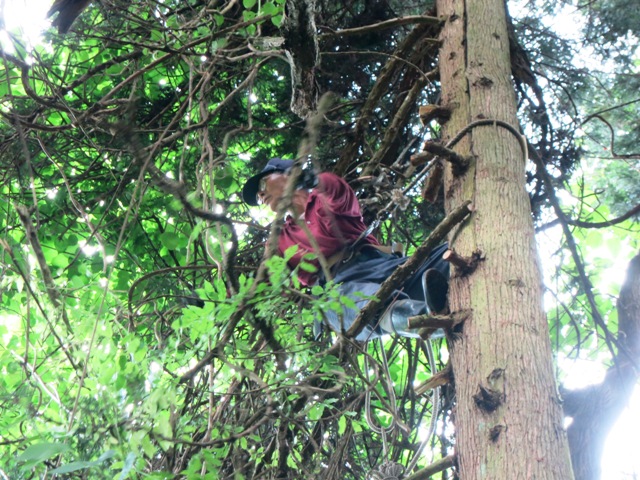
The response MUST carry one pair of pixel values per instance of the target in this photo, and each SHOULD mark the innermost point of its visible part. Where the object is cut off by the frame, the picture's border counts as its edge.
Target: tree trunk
(508, 416)
(301, 46)
(595, 409)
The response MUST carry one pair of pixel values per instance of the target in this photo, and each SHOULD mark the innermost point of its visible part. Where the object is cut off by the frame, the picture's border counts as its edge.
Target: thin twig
(376, 27)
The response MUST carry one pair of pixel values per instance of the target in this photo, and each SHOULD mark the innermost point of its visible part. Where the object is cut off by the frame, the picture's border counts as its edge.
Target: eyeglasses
(262, 187)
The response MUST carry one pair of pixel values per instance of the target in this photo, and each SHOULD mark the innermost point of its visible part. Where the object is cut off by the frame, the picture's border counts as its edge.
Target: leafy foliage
(136, 341)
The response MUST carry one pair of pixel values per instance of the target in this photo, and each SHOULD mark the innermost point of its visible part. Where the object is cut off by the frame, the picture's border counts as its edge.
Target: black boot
(436, 287)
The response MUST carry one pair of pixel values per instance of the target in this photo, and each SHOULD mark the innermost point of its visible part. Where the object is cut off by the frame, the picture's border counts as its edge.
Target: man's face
(271, 189)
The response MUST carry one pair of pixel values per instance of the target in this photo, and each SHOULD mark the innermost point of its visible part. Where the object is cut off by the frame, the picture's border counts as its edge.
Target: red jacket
(333, 217)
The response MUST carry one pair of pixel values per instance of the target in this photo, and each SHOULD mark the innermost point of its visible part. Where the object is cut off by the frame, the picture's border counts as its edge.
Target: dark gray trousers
(361, 276)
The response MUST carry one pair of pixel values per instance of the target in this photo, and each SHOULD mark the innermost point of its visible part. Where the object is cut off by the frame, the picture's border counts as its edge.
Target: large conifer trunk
(508, 414)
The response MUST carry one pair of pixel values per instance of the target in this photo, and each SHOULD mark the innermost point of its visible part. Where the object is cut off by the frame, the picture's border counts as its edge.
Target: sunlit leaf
(42, 451)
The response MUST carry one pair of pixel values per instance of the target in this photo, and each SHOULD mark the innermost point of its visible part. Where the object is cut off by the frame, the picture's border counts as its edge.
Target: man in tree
(326, 225)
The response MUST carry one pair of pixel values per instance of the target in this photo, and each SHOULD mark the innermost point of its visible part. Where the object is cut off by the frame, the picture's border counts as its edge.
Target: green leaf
(315, 412)
(170, 240)
(224, 181)
(162, 424)
(41, 452)
(73, 466)
(128, 465)
(348, 302)
(307, 267)
(342, 425)
(269, 8)
(157, 36)
(249, 3)
(61, 260)
(290, 252)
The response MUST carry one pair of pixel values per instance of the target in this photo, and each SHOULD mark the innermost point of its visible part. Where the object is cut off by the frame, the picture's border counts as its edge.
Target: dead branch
(427, 472)
(432, 185)
(443, 377)
(459, 163)
(584, 224)
(438, 321)
(378, 90)
(612, 145)
(391, 133)
(409, 268)
(376, 27)
(440, 113)
(465, 265)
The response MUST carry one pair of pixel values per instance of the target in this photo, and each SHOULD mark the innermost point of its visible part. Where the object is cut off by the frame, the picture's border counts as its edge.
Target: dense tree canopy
(145, 334)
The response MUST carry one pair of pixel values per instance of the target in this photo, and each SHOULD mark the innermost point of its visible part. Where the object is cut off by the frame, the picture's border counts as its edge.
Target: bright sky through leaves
(25, 18)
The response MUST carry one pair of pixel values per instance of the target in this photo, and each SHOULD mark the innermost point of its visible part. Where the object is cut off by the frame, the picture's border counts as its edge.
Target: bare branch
(376, 27)
(410, 267)
(427, 472)
(584, 224)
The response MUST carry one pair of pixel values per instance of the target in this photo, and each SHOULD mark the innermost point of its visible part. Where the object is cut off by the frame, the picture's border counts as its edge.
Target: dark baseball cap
(250, 189)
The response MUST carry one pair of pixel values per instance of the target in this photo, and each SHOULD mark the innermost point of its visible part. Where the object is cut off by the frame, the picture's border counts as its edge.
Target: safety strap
(347, 253)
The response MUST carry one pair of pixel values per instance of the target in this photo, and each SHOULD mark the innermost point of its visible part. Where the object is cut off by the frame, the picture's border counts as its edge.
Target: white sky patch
(612, 277)
(620, 456)
(88, 250)
(262, 215)
(155, 367)
(26, 18)
(218, 209)
(581, 372)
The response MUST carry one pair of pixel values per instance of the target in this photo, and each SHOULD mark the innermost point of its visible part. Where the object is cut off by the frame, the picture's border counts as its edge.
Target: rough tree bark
(595, 409)
(508, 415)
(301, 46)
